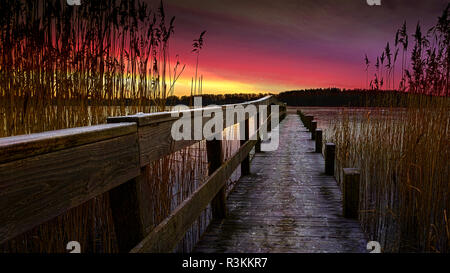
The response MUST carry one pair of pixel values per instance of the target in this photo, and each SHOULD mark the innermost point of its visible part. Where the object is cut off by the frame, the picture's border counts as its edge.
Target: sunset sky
(273, 46)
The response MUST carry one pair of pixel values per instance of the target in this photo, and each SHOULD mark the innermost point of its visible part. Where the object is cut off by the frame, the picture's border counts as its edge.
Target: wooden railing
(44, 175)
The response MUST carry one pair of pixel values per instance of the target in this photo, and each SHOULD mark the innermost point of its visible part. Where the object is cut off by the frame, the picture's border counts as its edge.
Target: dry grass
(403, 153)
(60, 68)
(403, 156)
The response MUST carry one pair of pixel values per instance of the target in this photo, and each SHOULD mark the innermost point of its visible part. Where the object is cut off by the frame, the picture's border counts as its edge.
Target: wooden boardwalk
(287, 204)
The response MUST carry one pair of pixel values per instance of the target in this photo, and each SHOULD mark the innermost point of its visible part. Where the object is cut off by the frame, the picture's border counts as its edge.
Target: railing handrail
(151, 118)
(53, 171)
(23, 146)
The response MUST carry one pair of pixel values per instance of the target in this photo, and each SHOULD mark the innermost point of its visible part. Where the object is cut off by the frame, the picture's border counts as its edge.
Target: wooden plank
(18, 147)
(155, 141)
(36, 189)
(143, 119)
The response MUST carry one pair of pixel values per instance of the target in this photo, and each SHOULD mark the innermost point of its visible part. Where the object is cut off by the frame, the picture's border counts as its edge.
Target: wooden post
(245, 165)
(313, 129)
(215, 160)
(302, 117)
(307, 121)
(330, 150)
(125, 208)
(144, 195)
(258, 143)
(350, 196)
(318, 140)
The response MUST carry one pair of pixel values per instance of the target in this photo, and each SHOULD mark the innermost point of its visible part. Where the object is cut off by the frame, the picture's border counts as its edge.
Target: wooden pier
(284, 201)
(286, 204)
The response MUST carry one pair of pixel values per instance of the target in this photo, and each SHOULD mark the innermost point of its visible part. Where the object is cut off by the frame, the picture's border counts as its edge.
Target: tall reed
(64, 66)
(403, 156)
(403, 151)
(430, 60)
(60, 62)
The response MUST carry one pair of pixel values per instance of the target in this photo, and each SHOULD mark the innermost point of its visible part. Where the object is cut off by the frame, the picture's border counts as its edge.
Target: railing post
(350, 196)
(330, 150)
(132, 207)
(245, 165)
(318, 140)
(313, 129)
(126, 212)
(258, 143)
(215, 160)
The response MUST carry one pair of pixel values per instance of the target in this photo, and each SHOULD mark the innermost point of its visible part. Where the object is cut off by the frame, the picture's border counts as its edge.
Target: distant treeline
(310, 97)
(343, 97)
(208, 99)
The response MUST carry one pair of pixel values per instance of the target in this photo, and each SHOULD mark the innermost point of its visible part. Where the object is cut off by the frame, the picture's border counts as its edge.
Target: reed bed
(403, 152)
(61, 67)
(403, 157)
(428, 70)
(90, 224)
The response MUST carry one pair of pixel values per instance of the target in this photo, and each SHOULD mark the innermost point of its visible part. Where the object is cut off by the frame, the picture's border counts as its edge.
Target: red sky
(276, 45)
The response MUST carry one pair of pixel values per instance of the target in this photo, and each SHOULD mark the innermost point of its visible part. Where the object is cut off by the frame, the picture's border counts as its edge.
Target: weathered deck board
(287, 204)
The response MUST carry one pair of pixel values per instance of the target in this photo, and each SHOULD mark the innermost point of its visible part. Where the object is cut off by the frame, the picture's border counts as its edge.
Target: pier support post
(313, 129)
(350, 197)
(215, 160)
(307, 121)
(318, 140)
(245, 165)
(330, 150)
